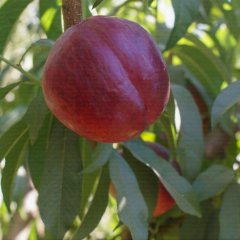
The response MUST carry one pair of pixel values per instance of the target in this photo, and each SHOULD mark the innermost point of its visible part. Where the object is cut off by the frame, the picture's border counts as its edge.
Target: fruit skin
(105, 79)
(164, 200)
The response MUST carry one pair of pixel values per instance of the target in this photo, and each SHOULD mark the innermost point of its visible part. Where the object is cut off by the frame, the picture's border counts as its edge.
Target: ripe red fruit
(105, 79)
(164, 202)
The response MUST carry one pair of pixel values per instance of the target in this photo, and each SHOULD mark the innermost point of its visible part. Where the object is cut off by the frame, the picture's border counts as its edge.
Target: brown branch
(16, 225)
(72, 12)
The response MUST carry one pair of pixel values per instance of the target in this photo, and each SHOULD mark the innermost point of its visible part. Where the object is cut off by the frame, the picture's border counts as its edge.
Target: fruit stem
(72, 12)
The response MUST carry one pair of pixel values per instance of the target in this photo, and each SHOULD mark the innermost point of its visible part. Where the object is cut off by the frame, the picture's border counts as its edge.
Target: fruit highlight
(105, 79)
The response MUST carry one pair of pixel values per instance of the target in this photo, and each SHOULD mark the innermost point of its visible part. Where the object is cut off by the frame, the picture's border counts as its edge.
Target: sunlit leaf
(231, 15)
(96, 3)
(185, 13)
(224, 101)
(219, 66)
(212, 181)
(201, 66)
(190, 145)
(50, 16)
(178, 187)
(132, 209)
(60, 189)
(149, 2)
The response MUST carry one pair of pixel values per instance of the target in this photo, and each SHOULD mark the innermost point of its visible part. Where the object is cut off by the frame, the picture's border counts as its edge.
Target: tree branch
(72, 12)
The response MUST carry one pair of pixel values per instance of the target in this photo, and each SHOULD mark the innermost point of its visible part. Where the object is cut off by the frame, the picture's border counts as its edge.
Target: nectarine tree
(92, 93)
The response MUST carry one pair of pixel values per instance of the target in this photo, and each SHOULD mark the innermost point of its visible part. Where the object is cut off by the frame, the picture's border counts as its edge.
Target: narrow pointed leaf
(219, 66)
(230, 214)
(11, 137)
(224, 101)
(149, 2)
(190, 145)
(38, 151)
(178, 187)
(35, 115)
(201, 228)
(40, 45)
(5, 90)
(149, 183)
(9, 14)
(132, 209)
(202, 67)
(88, 179)
(50, 18)
(185, 13)
(97, 207)
(13, 162)
(212, 181)
(96, 3)
(60, 189)
(99, 157)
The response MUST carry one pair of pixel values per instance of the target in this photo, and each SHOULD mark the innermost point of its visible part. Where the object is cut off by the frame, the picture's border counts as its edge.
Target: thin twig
(20, 69)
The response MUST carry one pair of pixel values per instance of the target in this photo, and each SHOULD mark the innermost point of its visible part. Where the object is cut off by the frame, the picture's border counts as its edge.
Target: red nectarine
(105, 79)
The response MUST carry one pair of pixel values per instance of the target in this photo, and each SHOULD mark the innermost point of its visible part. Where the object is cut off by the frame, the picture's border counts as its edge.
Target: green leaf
(224, 101)
(5, 90)
(85, 9)
(178, 187)
(231, 15)
(201, 228)
(230, 214)
(38, 151)
(149, 2)
(132, 209)
(185, 13)
(96, 3)
(190, 144)
(202, 66)
(11, 138)
(212, 181)
(97, 207)
(60, 189)
(41, 45)
(9, 14)
(219, 66)
(99, 157)
(35, 115)
(13, 161)
(89, 179)
(50, 18)
(148, 181)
